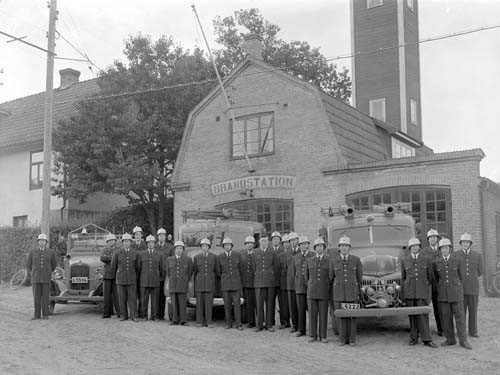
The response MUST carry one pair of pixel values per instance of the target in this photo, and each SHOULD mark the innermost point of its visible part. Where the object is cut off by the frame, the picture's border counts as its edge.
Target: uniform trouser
(41, 299)
(449, 310)
(301, 312)
(470, 303)
(435, 307)
(127, 295)
(283, 307)
(179, 307)
(139, 300)
(250, 302)
(149, 294)
(265, 296)
(419, 324)
(347, 326)
(292, 304)
(318, 309)
(335, 320)
(232, 301)
(204, 307)
(162, 300)
(110, 297)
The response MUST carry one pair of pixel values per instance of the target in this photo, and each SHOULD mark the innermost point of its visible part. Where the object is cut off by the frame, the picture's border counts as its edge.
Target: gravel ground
(75, 340)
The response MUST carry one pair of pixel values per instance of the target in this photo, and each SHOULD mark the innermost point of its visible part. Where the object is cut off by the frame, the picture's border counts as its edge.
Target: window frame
(20, 221)
(244, 132)
(374, 3)
(413, 112)
(371, 105)
(39, 166)
(395, 144)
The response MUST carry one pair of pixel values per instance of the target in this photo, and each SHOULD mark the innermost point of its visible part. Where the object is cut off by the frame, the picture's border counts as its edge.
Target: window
(20, 221)
(36, 170)
(377, 109)
(255, 133)
(409, 4)
(498, 234)
(401, 150)
(413, 112)
(374, 3)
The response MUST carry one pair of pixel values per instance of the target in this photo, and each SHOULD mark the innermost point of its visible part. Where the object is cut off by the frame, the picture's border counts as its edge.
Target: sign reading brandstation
(253, 182)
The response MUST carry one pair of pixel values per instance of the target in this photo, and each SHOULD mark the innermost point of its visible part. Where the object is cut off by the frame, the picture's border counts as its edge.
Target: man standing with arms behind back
(433, 253)
(290, 279)
(108, 279)
(41, 262)
(248, 280)
(166, 250)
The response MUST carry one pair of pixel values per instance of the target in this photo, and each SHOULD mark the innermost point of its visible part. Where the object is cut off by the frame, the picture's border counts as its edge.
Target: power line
(25, 42)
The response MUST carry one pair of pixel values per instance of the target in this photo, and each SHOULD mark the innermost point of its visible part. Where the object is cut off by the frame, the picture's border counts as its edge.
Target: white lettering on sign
(253, 182)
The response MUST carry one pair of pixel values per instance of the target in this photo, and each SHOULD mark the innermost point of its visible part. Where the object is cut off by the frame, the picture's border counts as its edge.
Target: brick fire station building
(308, 150)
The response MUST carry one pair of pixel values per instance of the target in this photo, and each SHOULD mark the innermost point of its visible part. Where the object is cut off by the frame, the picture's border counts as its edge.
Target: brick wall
(491, 204)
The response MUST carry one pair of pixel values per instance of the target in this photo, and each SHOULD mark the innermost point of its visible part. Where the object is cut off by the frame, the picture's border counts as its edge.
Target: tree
(127, 144)
(296, 57)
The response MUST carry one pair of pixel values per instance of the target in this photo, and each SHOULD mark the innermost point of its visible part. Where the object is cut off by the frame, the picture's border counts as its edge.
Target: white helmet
(250, 239)
(465, 237)
(285, 238)
(304, 239)
(161, 231)
(344, 240)
(179, 243)
(276, 234)
(42, 236)
(137, 229)
(110, 237)
(126, 236)
(413, 241)
(293, 235)
(319, 241)
(150, 238)
(227, 240)
(205, 241)
(432, 232)
(444, 242)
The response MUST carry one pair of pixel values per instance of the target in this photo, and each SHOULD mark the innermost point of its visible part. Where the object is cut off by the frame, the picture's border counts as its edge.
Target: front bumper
(381, 312)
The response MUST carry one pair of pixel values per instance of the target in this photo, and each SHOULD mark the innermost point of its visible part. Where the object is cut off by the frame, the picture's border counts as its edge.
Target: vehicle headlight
(98, 271)
(370, 291)
(390, 289)
(57, 274)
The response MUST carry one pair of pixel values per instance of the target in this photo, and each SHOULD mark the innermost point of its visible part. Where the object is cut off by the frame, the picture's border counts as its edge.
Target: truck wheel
(52, 306)
(495, 283)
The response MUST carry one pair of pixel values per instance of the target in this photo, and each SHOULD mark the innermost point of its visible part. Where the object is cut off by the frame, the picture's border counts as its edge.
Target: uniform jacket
(230, 270)
(431, 253)
(125, 265)
(106, 256)
(299, 271)
(166, 250)
(142, 246)
(248, 273)
(179, 272)
(41, 263)
(474, 268)
(416, 276)
(319, 276)
(266, 268)
(278, 251)
(284, 259)
(290, 274)
(347, 278)
(151, 268)
(205, 272)
(449, 278)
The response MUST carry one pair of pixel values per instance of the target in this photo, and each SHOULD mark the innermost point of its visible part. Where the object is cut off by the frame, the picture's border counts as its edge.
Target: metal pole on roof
(251, 169)
(47, 124)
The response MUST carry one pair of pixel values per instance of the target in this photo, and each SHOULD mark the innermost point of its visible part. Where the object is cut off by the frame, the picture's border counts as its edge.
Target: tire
(52, 306)
(495, 283)
(18, 279)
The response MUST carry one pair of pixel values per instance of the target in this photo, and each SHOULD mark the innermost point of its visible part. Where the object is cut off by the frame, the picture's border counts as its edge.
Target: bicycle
(19, 279)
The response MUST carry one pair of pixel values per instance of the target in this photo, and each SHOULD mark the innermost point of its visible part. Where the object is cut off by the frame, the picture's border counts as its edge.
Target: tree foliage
(296, 57)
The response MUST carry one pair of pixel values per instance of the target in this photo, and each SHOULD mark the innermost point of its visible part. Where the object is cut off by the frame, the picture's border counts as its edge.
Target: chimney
(253, 46)
(68, 77)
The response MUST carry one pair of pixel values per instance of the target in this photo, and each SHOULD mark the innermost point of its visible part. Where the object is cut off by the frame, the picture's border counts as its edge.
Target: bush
(14, 245)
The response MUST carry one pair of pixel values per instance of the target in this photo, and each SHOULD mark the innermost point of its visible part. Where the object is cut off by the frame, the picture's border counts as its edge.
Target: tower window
(413, 112)
(377, 109)
(410, 5)
(374, 3)
(401, 150)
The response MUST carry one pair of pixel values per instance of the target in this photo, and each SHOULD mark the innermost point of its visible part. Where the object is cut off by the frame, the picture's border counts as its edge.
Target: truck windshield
(374, 234)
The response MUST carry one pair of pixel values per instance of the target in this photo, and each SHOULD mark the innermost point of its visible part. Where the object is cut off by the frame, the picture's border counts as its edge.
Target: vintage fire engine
(379, 238)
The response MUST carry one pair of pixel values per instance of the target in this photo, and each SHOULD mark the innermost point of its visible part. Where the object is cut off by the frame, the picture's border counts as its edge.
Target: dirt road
(77, 341)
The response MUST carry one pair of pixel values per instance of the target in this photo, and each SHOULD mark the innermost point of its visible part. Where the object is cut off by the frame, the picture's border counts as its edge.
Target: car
(81, 279)
(379, 237)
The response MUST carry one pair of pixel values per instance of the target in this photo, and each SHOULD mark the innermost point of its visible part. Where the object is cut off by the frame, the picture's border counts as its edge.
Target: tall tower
(386, 84)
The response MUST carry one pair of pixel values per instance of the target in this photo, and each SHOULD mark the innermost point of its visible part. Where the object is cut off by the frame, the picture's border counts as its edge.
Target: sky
(460, 76)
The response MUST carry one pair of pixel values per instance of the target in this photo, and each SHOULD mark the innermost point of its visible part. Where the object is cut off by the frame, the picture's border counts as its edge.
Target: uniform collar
(466, 252)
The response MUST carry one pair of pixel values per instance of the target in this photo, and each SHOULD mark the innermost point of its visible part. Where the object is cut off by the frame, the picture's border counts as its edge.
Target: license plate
(350, 306)
(79, 280)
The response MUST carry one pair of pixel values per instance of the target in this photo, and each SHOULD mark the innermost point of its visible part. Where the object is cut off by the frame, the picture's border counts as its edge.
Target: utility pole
(47, 124)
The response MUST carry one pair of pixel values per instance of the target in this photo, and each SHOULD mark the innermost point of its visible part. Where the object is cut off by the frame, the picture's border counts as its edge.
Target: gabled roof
(23, 122)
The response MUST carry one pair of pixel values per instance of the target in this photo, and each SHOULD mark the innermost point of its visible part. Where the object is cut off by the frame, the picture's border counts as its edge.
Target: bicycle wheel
(18, 279)
(496, 283)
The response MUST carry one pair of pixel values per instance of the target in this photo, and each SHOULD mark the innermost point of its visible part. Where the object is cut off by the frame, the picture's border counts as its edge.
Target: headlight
(370, 291)
(98, 271)
(57, 274)
(390, 289)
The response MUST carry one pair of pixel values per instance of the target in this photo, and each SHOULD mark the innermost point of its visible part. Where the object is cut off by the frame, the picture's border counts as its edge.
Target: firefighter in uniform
(125, 264)
(474, 268)
(299, 271)
(265, 265)
(416, 277)
(281, 291)
(108, 279)
(230, 269)
(290, 279)
(347, 279)
(432, 251)
(139, 246)
(448, 271)
(41, 262)
(285, 242)
(151, 270)
(248, 279)
(179, 270)
(284, 258)
(205, 273)
(166, 250)
(319, 275)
